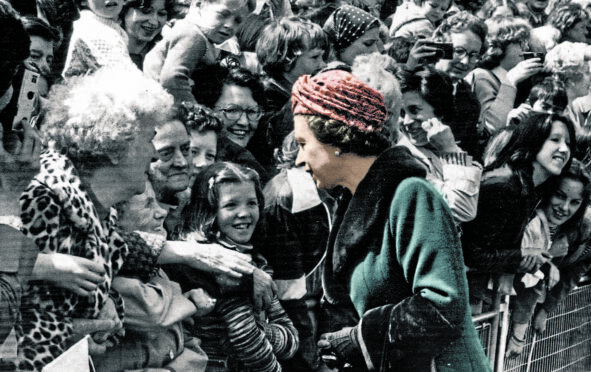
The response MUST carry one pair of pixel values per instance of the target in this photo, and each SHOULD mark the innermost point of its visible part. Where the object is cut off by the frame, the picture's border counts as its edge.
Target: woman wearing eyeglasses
(236, 97)
(502, 67)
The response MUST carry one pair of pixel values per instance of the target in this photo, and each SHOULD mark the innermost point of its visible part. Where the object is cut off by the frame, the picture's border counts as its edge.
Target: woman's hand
(76, 274)
(532, 259)
(524, 70)
(264, 289)
(202, 301)
(440, 136)
(211, 258)
(83, 327)
(518, 114)
(418, 53)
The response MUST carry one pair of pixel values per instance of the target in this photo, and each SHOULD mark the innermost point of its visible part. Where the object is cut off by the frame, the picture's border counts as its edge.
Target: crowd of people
(308, 185)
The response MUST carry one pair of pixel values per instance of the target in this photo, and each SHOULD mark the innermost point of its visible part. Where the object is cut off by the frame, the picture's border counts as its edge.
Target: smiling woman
(143, 21)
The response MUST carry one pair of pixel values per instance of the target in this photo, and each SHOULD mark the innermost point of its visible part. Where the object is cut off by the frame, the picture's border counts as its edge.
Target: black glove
(341, 347)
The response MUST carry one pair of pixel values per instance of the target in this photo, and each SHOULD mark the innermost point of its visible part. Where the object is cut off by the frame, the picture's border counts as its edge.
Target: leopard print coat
(60, 217)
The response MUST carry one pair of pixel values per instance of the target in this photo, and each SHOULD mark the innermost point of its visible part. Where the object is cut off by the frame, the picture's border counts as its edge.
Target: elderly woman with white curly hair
(100, 129)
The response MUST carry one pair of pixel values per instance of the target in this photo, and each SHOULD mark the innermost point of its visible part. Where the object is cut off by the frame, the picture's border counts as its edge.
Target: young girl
(557, 231)
(226, 203)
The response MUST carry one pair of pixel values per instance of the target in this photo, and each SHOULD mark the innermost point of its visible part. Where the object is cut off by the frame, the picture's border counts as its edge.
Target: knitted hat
(340, 96)
(347, 24)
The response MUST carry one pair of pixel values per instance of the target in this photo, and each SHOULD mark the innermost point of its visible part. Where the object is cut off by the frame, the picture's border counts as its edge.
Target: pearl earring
(337, 153)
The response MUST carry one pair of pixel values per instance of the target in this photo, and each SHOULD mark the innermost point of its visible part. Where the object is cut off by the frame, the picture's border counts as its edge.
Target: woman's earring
(337, 153)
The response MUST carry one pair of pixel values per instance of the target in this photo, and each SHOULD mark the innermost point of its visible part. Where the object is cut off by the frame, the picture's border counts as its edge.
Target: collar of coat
(360, 219)
(58, 173)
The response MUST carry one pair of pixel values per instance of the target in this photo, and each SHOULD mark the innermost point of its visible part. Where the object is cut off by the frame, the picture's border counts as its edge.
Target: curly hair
(283, 41)
(461, 22)
(348, 139)
(565, 17)
(566, 61)
(503, 31)
(198, 118)
(91, 118)
(200, 215)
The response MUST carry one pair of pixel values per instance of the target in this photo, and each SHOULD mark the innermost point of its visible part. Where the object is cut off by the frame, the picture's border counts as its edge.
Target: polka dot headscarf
(347, 24)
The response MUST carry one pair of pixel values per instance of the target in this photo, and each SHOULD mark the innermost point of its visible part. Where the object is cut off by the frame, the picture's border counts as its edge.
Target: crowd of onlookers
(155, 197)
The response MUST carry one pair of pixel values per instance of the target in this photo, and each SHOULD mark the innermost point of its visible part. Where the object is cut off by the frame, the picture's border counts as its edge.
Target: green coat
(395, 255)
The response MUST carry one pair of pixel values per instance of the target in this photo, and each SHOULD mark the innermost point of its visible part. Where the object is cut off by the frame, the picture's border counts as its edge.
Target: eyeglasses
(460, 53)
(235, 112)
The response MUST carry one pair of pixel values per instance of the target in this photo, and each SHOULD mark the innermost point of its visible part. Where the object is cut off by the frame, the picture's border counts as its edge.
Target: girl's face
(434, 10)
(238, 211)
(565, 201)
(580, 87)
(145, 23)
(308, 63)
(416, 111)
(467, 47)
(514, 54)
(555, 152)
(105, 8)
(219, 20)
(366, 44)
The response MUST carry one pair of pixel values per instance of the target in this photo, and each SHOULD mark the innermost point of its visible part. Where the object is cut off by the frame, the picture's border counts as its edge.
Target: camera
(444, 51)
(530, 55)
(26, 99)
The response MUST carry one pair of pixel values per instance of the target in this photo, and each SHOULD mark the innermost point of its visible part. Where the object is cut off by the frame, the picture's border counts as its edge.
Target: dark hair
(565, 17)
(249, 31)
(434, 86)
(215, 77)
(550, 90)
(198, 118)
(38, 27)
(14, 44)
(527, 140)
(347, 138)
(145, 4)
(283, 41)
(59, 13)
(460, 22)
(200, 215)
(577, 172)
(320, 15)
(489, 7)
(400, 48)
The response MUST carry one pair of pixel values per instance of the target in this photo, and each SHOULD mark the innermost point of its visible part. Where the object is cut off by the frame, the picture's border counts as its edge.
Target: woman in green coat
(394, 257)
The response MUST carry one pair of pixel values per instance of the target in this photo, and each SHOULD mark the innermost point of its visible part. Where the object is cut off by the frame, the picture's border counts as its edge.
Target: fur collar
(360, 219)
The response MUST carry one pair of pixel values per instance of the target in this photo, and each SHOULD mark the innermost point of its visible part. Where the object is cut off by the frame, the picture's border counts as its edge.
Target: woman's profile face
(318, 159)
(366, 44)
(143, 213)
(578, 33)
(555, 151)
(145, 23)
(565, 201)
(416, 111)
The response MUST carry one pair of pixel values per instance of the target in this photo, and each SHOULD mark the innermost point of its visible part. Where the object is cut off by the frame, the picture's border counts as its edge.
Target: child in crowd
(97, 40)
(419, 19)
(175, 61)
(226, 203)
(559, 230)
(204, 128)
(548, 96)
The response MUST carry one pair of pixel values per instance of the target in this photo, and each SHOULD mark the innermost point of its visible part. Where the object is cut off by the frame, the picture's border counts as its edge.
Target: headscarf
(347, 24)
(340, 96)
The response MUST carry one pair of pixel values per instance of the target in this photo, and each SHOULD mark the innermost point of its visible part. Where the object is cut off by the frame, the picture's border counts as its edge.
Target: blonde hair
(567, 61)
